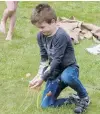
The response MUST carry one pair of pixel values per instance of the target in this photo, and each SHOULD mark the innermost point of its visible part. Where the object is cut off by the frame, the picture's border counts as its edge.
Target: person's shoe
(73, 99)
(82, 105)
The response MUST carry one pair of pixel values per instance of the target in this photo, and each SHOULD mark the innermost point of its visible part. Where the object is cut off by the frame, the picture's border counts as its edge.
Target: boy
(62, 70)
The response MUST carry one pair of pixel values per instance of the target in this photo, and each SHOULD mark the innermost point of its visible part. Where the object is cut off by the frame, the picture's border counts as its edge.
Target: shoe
(82, 105)
(73, 99)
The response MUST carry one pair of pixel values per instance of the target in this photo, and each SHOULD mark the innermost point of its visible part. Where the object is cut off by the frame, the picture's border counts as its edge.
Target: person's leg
(12, 21)
(70, 76)
(11, 26)
(7, 13)
(51, 92)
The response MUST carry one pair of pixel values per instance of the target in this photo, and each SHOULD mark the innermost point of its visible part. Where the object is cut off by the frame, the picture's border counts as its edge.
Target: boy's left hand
(36, 83)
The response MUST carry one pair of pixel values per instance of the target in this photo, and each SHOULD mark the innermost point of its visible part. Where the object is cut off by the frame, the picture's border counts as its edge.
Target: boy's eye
(42, 27)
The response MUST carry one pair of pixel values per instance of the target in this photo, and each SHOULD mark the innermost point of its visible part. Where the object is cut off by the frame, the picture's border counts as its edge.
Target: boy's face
(45, 28)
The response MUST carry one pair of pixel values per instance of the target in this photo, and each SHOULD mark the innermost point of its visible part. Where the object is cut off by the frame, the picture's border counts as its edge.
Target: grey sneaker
(73, 99)
(82, 105)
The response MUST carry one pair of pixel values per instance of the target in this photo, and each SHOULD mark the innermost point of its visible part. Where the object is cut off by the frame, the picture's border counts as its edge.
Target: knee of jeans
(44, 105)
(67, 79)
(71, 80)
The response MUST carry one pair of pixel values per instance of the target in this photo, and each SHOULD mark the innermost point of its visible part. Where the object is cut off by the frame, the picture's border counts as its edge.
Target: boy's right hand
(36, 83)
(33, 80)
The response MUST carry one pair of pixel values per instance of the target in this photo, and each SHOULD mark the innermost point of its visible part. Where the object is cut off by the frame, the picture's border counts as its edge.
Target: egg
(28, 75)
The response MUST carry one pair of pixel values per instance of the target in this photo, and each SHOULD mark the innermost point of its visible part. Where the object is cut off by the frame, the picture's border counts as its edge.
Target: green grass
(21, 55)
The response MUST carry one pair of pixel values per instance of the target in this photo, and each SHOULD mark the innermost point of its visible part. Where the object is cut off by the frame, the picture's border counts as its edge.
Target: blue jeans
(69, 77)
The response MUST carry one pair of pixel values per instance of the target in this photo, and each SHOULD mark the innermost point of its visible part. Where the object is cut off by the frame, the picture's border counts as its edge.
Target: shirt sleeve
(43, 52)
(44, 56)
(60, 45)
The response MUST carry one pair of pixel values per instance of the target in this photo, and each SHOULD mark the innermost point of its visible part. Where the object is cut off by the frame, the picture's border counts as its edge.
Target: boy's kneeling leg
(49, 98)
(51, 92)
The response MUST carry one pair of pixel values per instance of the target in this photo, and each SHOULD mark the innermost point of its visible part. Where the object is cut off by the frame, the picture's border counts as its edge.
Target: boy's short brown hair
(43, 12)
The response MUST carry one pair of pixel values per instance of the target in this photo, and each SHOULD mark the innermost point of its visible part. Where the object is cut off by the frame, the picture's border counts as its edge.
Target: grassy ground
(21, 55)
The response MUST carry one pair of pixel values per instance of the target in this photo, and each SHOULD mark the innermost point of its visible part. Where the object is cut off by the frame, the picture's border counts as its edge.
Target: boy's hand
(36, 82)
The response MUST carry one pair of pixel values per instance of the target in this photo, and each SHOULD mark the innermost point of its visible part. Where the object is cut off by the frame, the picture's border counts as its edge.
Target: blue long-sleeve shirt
(58, 50)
